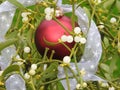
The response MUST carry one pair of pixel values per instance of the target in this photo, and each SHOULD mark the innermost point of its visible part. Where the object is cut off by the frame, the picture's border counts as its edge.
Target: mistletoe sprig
(22, 33)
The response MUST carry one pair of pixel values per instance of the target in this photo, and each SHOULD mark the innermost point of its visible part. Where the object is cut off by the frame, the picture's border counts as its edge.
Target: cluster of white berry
(31, 71)
(106, 85)
(50, 12)
(101, 26)
(78, 38)
(112, 21)
(25, 16)
(79, 86)
(20, 61)
(97, 1)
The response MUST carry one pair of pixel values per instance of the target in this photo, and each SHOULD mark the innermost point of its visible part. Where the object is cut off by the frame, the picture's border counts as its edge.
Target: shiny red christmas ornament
(51, 31)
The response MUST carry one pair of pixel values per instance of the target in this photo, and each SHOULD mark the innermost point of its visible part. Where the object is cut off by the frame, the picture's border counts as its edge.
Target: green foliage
(7, 43)
(12, 69)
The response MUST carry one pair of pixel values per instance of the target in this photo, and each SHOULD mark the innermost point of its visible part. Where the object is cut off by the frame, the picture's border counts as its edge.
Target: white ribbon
(7, 10)
(93, 48)
(92, 52)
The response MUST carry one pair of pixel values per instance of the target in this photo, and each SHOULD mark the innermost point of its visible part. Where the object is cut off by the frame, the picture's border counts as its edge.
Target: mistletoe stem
(76, 65)
(73, 14)
(44, 62)
(65, 46)
(33, 87)
(80, 3)
(51, 56)
(66, 29)
(45, 54)
(73, 73)
(18, 19)
(67, 78)
(56, 80)
(72, 52)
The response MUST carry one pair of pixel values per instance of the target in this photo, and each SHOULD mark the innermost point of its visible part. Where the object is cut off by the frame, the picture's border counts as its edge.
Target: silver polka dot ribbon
(7, 10)
(92, 52)
(88, 62)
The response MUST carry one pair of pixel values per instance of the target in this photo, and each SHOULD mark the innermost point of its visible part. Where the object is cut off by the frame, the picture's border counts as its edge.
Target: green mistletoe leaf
(10, 70)
(16, 3)
(105, 67)
(29, 86)
(7, 43)
(60, 86)
(106, 41)
(108, 4)
(118, 5)
(107, 75)
(50, 72)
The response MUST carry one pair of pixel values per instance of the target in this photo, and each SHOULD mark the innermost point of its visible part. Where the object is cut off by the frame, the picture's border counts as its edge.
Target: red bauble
(51, 31)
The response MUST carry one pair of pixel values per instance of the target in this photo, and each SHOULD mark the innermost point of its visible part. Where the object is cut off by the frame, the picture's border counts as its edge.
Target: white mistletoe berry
(83, 40)
(113, 20)
(70, 39)
(111, 88)
(97, 1)
(84, 84)
(77, 38)
(32, 72)
(49, 13)
(34, 66)
(78, 86)
(26, 76)
(66, 59)
(25, 19)
(101, 26)
(77, 30)
(104, 84)
(48, 17)
(17, 57)
(27, 49)
(48, 10)
(64, 38)
(24, 14)
(82, 72)
(57, 13)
